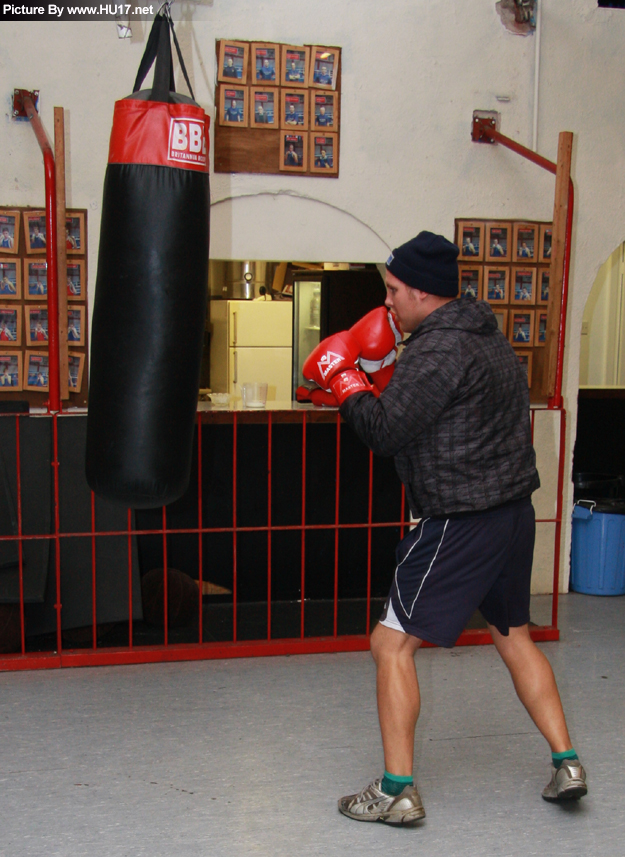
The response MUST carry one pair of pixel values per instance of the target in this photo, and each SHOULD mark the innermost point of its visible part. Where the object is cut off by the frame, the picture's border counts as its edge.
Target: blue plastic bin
(598, 548)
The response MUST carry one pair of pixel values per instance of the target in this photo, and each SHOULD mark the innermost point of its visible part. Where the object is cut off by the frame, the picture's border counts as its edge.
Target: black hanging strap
(159, 47)
(149, 55)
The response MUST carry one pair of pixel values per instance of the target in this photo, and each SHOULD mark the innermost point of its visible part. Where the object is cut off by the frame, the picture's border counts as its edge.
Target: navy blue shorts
(448, 568)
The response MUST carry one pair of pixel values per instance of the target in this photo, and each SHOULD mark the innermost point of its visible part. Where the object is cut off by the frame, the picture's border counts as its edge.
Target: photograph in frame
(10, 325)
(498, 242)
(74, 232)
(525, 359)
(546, 237)
(10, 279)
(525, 242)
(76, 325)
(542, 287)
(35, 229)
(233, 106)
(324, 153)
(324, 67)
(232, 61)
(35, 280)
(324, 111)
(263, 107)
(36, 325)
(496, 284)
(294, 61)
(75, 280)
(76, 364)
(294, 109)
(9, 231)
(540, 337)
(36, 370)
(293, 151)
(521, 327)
(501, 317)
(10, 370)
(470, 281)
(523, 286)
(470, 240)
(265, 64)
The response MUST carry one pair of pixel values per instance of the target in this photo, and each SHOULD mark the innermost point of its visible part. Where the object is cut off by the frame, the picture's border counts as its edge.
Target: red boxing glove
(332, 366)
(378, 334)
(316, 396)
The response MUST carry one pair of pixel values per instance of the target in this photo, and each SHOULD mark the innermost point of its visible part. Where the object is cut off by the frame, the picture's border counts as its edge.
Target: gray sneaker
(372, 804)
(568, 782)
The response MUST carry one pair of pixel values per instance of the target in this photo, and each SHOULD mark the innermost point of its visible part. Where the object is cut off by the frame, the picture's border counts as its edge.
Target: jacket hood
(460, 314)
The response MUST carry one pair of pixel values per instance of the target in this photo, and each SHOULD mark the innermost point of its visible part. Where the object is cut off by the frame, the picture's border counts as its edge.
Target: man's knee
(388, 642)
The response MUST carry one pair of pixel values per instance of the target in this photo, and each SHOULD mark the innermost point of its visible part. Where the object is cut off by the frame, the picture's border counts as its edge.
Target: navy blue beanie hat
(429, 263)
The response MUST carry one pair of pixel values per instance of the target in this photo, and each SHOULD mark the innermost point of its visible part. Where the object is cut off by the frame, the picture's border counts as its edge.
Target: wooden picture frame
(324, 152)
(9, 231)
(501, 315)
(11, 374)
(294, 109)
(36, 325)
(470, 280)
(471, 240)
(36, 370)
(293, 151)
(10, 279)
(546, 237)
(521, 327)
(268, 100)
(496, 284)
(76, 365)
(10, 325)
(525, 242)
(232, 62)
(294, 63)
(542, 285)
(76, 285)
(233, 102)
(523, 285)
(76, 325)
(540, 334)
(324, 111)
(324, 67)
(265, 64)
(35, 231)
(525, 359)
(35, 279)
(498, 246)
(74, 232)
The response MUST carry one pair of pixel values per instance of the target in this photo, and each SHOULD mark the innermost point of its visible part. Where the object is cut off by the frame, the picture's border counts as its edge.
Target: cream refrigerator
(251, 341)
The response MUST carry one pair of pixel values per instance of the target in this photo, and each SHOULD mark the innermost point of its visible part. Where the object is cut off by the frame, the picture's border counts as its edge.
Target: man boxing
(455, 417)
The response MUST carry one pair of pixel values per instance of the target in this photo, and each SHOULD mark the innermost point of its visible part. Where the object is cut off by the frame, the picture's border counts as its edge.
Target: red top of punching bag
(154, 132)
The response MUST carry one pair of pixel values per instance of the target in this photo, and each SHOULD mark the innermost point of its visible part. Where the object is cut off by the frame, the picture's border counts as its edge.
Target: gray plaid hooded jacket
(455, 415)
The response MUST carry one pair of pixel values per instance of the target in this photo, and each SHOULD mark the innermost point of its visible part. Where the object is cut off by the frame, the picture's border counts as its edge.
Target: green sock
(558, 758)
(393, 785)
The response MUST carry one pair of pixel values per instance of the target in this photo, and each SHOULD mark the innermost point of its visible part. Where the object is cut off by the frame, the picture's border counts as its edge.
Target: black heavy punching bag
(151, 290)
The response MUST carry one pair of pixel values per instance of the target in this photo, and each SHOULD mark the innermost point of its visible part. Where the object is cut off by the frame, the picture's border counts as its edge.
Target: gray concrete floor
(248, 757)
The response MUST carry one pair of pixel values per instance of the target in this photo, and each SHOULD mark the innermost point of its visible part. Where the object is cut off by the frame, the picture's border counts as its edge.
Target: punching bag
(151, 290)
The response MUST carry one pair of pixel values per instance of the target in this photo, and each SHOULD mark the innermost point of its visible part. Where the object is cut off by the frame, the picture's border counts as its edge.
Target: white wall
(413, 71)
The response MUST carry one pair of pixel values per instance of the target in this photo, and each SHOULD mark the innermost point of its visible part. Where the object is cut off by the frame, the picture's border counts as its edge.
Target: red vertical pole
(269, 433)
(20, 545)
(558, 533)
(57, 541)
(93, 578)
(303, 560)
(234, 527)
(369, 533)
(199, 523)
(165, 618)
(130, 578)
(336, 522)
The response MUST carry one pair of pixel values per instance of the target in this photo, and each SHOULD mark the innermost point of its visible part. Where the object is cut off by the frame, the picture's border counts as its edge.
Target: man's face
(322, 111)
(229, 62)
(291, 108)
(233, 105)
(405, 303)
(266, 64)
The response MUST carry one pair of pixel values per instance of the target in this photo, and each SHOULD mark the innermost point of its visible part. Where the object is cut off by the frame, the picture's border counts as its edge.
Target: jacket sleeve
(425, 382)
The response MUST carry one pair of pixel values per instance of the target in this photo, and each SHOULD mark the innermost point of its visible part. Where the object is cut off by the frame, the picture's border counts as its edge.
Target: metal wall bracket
(19, 111)
(481, 119)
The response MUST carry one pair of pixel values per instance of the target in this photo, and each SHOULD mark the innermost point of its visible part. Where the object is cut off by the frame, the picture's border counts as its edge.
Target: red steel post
(303, 568)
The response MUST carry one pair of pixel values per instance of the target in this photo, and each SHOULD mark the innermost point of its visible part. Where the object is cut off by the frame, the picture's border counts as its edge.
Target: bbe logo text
(187, 141)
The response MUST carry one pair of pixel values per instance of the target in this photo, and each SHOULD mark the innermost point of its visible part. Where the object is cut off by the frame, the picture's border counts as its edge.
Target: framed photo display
(263, 107)
(36, 370)
(10, 279)
(294, 60)
(471, 240)
(293, 151)
(76, 325)
(540, 336)
(470, 281)
(542, 288)
(265, 64)
(544, 253)
(75, 280)
(35, 229)
(324, 111)
(521, 327)
(233, 58)
(294, 108)
(501, 316)
(233, 106)
(323, 153)
(9, 231)
(498, 243)
(10, 370)
(496, 284)
(324, 66)
(36, 325)
(525, 242)
(74, 232)
(10, 325)
(523, 286)
(35, 280)
(76, 365)
(525, 359)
